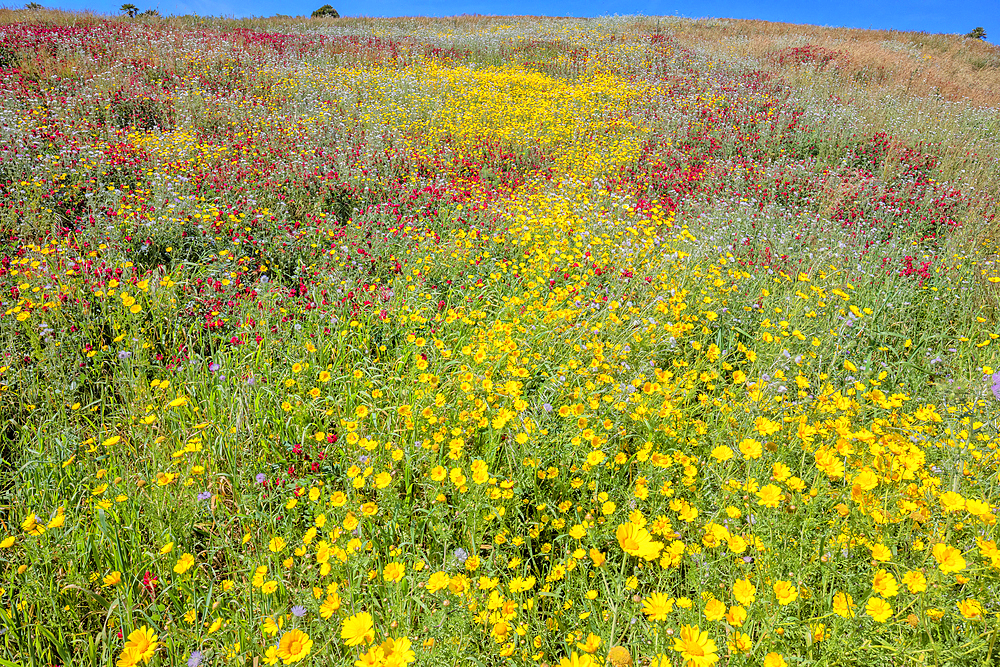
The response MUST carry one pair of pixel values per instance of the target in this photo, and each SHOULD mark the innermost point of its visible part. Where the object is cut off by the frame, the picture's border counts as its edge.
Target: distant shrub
(33, 5)
(150, 13)
(130, 9)
(326, 12)
(977, 33)
(809, 54)
(8, 58)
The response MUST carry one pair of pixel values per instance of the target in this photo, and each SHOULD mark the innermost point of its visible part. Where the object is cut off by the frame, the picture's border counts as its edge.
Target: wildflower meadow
(496, 341)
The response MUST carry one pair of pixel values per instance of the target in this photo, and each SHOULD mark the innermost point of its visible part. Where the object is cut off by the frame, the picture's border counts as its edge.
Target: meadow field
(497, 341)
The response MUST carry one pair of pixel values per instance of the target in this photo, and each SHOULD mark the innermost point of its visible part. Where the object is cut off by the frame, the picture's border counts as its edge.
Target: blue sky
(918, 15)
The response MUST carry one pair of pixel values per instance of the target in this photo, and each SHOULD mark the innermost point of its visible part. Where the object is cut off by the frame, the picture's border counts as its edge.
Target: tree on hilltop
(977, 33)
(130, 9)
(326, 12)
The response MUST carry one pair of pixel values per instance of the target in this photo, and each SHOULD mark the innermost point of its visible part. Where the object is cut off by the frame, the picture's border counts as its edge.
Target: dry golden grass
(941, 91)
(950, 66)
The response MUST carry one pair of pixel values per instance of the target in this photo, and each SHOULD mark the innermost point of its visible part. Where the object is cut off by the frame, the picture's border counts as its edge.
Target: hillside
(617, 341)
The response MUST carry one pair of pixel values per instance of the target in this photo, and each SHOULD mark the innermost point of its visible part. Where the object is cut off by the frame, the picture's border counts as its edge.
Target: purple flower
(212, 367)
(299, 611)
(547, 407)
(996, 385)
(261, 477)
(195, 659)
(204, 495)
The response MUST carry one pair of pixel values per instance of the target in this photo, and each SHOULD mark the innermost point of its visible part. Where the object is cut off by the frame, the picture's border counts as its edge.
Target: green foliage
(326, 11)
(977, 33)
(8, 57)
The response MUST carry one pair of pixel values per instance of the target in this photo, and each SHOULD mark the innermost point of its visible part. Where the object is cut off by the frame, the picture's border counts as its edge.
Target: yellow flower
(437, 582)
(294, 646)
(472, 563)
(129, 658)
(397, 652)
(459, 584)
(951, 501)
(184, 563)
(885, 584)
(216, 624)
(843, 605)
(31, 526)
(722, 453)
(785, 592)
(165, 478)
(695, 647)
(276, 544)
(715, 610)
(357, 629)
(271, 655)
(7, 543)
(736, 616)
(880, 552)
(394, 572)
(765, 426)
(971, 609)
(657, 606)
(740, 642)
(271, 627)
(637, 541)
(591, 645)
(330, 605)
(878, 609)
(576, 660)
(773, 659)
(751, 449)
(113, 579)
(143, 643)
(269, 587)
(744, 591)
(948, 557)
(769, 496)
(915, 581)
